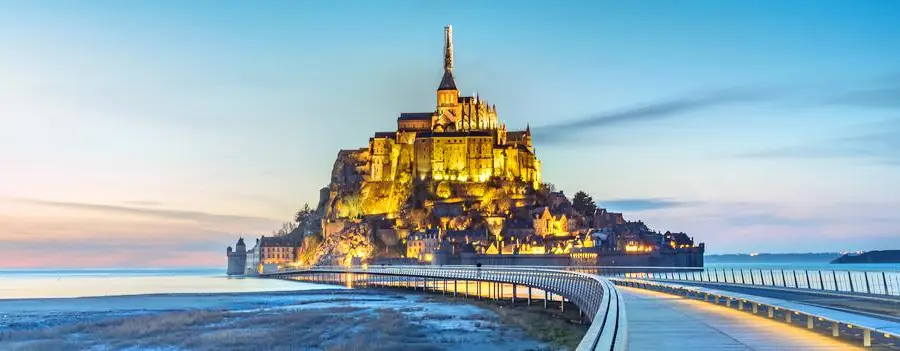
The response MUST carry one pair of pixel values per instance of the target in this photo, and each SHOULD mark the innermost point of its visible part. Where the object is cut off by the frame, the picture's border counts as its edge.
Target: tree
(548, 187)
(307, 220)
(583, 203)
(286, 228)
(416, 219)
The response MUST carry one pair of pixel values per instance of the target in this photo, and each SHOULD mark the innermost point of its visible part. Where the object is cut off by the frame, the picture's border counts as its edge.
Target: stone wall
(237, 262)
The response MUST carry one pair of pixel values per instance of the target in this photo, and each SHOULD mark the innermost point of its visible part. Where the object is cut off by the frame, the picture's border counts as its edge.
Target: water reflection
(83, 283)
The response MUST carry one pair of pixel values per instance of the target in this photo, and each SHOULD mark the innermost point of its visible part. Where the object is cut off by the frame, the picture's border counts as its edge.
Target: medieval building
(237, 258)
(460, 140)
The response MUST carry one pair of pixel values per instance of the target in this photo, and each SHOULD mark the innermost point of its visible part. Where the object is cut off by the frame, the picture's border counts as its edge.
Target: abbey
(461, 140)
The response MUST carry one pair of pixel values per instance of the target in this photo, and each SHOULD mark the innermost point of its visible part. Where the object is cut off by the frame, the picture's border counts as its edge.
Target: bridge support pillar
(771, 311)
(546, 297)
(454, 288)
(444, 290)
(809, 321)
(478, 289)
(562, 304)
(529, 296)
(496, 291)
(741, 305)
(492, 288)
(514, 294)
(787, 316)
(835, 329)
(867, 338)
(755, 308)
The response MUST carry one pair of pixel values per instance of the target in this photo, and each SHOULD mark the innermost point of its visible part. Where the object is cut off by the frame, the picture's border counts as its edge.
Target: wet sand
(304, 320)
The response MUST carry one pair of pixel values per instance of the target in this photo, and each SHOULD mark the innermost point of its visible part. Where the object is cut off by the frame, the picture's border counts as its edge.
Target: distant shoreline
(824, 257)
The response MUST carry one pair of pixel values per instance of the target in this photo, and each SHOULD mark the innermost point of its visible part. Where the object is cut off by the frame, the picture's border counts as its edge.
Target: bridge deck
(658, 321)
(882, 307)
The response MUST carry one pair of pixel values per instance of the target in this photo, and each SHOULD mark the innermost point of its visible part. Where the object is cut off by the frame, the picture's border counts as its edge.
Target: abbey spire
(447, 82)
(448, 48)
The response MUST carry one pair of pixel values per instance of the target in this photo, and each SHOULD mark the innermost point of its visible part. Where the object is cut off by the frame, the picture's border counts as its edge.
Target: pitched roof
(515, 136)
(447, 82)
(278, 241)
(406, 116)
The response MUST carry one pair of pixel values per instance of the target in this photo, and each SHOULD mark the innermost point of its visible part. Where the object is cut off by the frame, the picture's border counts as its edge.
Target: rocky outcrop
(348, 241)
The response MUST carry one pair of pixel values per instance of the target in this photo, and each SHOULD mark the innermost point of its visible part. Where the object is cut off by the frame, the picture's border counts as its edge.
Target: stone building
(423, 245)
(278, 250)
(237, 258)
(252, 266)
(461, 140)
(546, 223)
(603, 218)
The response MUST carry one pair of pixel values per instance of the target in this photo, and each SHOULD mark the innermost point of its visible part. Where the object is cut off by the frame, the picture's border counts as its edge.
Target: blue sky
(172, 126)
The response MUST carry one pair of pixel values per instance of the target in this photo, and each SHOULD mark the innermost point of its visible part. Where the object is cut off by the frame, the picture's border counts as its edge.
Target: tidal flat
(304, 320)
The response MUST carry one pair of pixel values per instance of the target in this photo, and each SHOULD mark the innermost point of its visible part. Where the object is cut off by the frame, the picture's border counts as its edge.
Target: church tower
(447, 94)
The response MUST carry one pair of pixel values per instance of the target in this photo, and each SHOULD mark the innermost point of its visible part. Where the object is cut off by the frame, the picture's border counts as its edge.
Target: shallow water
(29, 284)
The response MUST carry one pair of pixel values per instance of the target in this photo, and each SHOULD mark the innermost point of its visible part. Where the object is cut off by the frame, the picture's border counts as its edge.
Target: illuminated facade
(423, 245)
(461, 140)
(278, 250)
(547, 224)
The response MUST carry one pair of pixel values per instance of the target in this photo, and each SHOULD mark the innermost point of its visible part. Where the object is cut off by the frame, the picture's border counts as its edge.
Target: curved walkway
(877, 306)
(658, 321)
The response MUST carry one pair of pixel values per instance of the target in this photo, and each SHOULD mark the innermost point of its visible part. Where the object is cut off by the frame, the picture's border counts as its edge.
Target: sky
(154, 133)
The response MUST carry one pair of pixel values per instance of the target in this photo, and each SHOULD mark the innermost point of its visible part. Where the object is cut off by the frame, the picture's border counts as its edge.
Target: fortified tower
(237, 259)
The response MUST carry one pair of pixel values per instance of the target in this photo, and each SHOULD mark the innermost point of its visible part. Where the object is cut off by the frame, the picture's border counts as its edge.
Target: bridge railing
(839, 323)
(840, 281)
(595, 296)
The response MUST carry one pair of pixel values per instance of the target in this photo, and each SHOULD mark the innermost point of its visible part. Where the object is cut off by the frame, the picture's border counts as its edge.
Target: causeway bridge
(654, 308)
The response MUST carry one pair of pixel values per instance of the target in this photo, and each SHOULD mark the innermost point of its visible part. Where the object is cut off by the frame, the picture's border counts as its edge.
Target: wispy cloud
(884, 93)
(638, 204)
(142, 203)
(154, 212)
(739, 219)
(880, 143)
(651, 111)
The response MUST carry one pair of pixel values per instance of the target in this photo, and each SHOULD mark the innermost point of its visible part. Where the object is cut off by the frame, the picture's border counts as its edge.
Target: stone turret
(237, 258)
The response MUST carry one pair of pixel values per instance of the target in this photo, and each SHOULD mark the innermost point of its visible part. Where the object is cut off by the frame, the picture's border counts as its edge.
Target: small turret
(528, 135)
(240, 246)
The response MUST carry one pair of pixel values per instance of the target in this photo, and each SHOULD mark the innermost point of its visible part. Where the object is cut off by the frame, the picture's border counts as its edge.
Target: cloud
(637, 204)
(651, 111)
(768, 219)
(168, 242)
(885, 93)
(143, 203)
(153, 212)
(881, 144)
